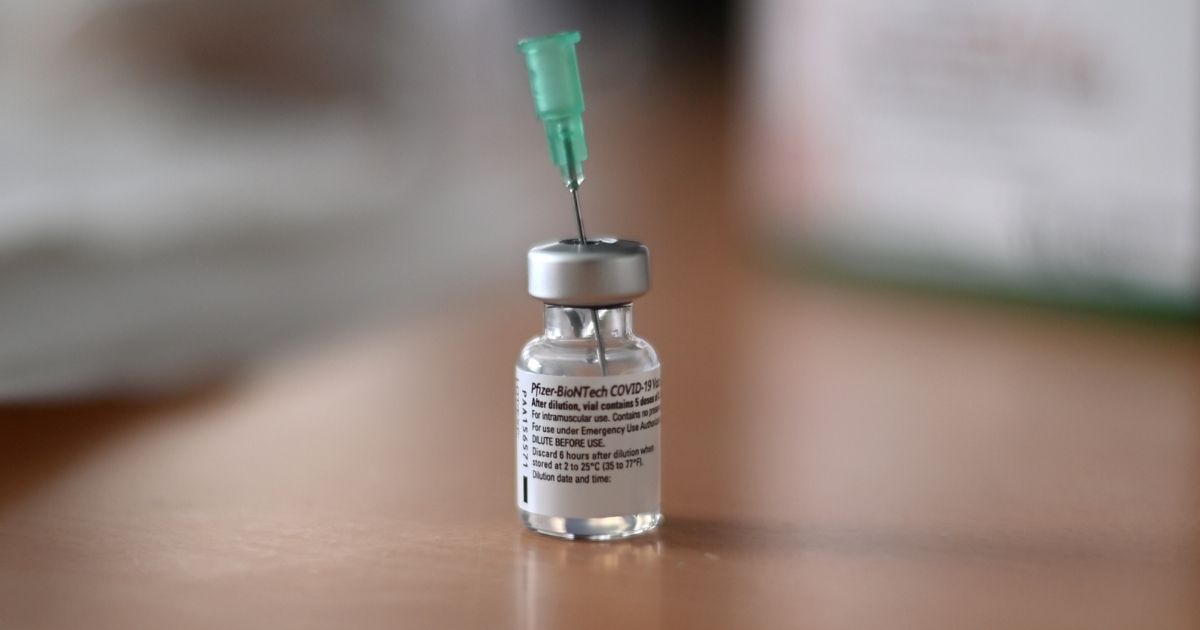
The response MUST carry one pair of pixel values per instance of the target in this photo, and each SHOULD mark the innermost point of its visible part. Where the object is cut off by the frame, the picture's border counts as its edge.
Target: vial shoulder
(579, 357)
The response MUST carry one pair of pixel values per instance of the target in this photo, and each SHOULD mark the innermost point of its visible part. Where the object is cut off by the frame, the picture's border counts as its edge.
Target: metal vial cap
(601, 272)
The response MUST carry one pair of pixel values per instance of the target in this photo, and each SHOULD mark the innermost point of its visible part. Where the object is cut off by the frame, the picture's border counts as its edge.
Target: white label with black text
(588, 446)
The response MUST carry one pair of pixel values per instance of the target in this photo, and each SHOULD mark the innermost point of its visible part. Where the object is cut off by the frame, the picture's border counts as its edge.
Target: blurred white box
(1030, 147)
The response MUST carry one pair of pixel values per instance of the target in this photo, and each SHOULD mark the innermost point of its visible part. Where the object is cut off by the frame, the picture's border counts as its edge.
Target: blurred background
(925, 291)
(191, 185)
(187, 186)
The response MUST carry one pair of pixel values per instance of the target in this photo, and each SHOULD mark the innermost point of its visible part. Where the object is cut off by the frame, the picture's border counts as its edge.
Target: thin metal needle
(599, 341)
(578, 215)
(595, 312)
(574, 187)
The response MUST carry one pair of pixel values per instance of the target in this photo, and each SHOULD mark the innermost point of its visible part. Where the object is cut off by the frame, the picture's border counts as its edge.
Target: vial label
(588, 446)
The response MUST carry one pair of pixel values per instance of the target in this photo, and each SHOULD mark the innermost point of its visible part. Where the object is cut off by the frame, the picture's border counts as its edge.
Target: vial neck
(568, 322)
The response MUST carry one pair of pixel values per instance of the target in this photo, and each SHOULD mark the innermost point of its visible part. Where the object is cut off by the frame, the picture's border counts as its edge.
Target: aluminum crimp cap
(601, 272)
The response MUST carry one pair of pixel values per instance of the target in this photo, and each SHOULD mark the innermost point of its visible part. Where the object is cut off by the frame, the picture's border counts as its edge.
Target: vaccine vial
(587, 396)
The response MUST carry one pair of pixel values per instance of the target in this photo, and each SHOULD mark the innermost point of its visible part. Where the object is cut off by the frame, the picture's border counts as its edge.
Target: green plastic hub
(558, 100)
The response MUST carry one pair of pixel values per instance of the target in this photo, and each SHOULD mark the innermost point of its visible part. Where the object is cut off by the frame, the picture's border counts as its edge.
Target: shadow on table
(38, 441)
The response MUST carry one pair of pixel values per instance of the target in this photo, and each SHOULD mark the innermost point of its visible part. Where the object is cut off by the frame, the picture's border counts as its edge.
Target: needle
(578, 214)
(574, 187)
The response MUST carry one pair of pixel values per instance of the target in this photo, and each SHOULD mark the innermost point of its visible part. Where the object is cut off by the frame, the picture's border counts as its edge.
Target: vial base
(598, 528)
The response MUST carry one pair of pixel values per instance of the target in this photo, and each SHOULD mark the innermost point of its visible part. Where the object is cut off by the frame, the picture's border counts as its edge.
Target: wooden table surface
(834, 457)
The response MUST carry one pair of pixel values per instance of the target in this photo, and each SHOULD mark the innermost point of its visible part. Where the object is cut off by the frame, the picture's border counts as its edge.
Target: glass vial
(587, 399)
